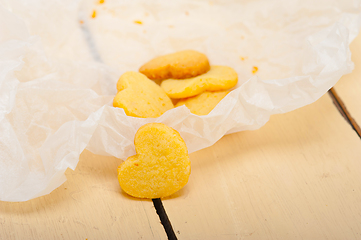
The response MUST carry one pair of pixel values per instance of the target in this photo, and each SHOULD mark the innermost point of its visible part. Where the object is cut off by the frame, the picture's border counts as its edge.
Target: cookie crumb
(94, 14)
(254, 69)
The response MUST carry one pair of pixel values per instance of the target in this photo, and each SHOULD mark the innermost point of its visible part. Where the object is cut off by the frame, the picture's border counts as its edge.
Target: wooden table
(298, 177)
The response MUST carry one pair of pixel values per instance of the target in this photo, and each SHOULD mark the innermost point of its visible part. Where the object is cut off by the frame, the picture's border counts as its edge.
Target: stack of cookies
(181, 78)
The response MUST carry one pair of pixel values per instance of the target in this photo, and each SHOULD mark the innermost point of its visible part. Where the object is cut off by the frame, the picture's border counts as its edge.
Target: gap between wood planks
(164, 218)
(343, 110)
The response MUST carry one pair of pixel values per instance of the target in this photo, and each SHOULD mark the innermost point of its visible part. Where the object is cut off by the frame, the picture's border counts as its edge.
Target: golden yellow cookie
(179, 65)
(140, 96)
(203, 103)
(161, 166)
(219, 78)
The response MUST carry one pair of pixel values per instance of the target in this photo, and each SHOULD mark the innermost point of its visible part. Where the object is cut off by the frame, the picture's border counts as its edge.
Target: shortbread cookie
(161, 166)
(140, 96)
(219, 78)
(179, 65)
(203, 103)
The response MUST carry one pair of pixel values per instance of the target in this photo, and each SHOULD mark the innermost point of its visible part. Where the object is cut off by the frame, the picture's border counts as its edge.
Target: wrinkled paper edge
(245, 102)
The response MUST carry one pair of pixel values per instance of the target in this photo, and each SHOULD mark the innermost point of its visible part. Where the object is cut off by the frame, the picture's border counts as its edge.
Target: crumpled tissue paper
(60, 61)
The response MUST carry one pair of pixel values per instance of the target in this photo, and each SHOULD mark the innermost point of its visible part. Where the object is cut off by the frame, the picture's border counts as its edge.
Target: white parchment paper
(60, 60)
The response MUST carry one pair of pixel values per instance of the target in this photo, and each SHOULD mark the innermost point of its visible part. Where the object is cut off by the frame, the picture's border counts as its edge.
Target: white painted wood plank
(298, 177)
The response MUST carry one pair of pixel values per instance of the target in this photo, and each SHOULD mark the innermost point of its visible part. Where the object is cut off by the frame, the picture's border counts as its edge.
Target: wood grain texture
(349, 86)
(90, 205)
(298, 177)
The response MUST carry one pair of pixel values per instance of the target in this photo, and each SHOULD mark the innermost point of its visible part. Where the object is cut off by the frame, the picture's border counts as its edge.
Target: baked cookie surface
(218, 78)
(140, 96)
(179, 65)
(203, 103)
(161, 166)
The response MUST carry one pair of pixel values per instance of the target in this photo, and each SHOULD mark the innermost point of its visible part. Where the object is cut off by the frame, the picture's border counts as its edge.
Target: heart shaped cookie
(219, 78)
(161, 166)
(140, 96)
(179, 65)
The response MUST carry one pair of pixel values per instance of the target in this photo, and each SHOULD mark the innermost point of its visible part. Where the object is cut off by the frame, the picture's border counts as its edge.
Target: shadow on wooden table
(92, 172)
